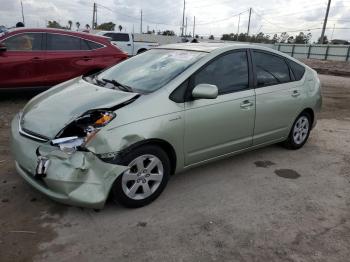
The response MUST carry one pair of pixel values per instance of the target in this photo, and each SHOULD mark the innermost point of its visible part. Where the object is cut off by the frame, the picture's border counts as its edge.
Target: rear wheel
(300, 132)
(146, 178)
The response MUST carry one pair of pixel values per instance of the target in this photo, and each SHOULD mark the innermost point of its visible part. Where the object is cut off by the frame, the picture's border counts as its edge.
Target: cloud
(212, 16)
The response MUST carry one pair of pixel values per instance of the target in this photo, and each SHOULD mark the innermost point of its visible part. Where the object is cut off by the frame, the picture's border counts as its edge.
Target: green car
(124, 131)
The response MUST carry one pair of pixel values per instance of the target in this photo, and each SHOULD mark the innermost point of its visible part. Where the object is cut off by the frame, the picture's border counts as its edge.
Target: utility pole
(239, 20)
(183, 19)
(325, 22)
(250, 14)
(141, 23)
(194, 25)
(186, 27)
(96, 15)
(22, 13)
(93, 17)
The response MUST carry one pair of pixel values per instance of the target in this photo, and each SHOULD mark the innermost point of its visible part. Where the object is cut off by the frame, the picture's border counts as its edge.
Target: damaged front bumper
(79, 179)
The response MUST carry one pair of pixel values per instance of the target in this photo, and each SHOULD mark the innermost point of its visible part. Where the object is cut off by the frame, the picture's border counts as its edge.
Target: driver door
(215, 127)
(22, 65)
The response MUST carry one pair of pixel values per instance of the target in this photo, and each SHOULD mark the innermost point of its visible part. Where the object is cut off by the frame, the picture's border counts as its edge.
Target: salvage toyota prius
(124, 131)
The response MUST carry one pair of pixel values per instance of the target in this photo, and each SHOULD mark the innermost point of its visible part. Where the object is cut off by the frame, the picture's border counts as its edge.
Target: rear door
(23, 64)
(215, 127)
(278, 97)
(67, 57)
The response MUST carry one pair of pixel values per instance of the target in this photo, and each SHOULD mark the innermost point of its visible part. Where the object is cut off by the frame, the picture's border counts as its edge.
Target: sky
(212, 16)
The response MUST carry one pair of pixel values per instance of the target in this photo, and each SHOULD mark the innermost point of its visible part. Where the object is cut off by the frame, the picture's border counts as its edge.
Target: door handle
(87, 58)
(36, 59)
(129, 44)
(246, 104)
(295, 93)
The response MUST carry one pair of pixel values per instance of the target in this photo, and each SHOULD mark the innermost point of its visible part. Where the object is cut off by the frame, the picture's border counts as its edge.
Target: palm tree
(77, 24)
(87, 26)
(70, 24)
(120, 28)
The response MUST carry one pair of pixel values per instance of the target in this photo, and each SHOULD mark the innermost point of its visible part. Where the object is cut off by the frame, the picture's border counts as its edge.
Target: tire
(142, 183)
(141, 51)
(299, 132)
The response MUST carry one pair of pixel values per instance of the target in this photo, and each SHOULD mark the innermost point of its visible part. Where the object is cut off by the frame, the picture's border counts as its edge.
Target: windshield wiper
(119, 85)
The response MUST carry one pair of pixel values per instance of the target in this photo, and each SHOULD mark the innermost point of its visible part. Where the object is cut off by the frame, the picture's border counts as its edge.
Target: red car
(46, 57)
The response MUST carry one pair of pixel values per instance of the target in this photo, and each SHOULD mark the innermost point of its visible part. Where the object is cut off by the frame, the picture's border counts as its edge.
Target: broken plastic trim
(82, 130)
(68, 145)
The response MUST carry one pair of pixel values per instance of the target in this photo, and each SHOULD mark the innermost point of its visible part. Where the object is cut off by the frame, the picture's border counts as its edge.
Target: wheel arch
(141, 50)
(165, 145)
(311, 112)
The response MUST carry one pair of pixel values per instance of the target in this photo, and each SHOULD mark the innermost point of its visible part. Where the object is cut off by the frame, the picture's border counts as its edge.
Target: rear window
(270, 69)
(62, 42)
(298, 70)
(93, 45)
(118, 37)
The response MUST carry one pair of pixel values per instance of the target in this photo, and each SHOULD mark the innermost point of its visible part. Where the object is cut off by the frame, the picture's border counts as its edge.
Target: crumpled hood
(49, 112)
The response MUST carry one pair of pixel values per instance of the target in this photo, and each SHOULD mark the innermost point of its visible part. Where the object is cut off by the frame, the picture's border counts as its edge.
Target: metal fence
(314, 51)
(324, 52)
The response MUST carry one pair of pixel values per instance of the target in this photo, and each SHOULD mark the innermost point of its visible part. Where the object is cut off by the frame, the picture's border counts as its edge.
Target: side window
(178, 95)
(59, 42)
(121, 37)
(24, 42)
(84, 45)
(109, 35)
(229, 73)
(270, 69)
(298, 70)
(93, 45)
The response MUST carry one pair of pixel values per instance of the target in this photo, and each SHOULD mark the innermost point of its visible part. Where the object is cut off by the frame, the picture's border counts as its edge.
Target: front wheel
(300, 132)
(146, 178)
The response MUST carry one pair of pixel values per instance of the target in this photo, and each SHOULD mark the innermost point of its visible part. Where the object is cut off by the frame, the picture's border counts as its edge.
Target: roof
(205, 47)
(54, 30)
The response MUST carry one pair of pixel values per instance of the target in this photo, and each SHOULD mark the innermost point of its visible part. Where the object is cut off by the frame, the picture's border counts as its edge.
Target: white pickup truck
(125, 41)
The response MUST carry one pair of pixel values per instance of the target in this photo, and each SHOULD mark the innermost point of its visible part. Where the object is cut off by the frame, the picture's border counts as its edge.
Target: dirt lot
(328, 67)
(268, 205)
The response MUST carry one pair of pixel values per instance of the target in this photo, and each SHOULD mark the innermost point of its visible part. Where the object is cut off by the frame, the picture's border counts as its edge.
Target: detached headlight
(82, 130)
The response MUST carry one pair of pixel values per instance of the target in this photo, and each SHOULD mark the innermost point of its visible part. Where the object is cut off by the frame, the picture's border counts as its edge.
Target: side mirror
(205, 91)
(3, 48)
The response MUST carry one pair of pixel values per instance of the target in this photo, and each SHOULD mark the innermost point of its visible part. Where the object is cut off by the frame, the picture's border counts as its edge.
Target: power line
(268, 21)
(224, 19)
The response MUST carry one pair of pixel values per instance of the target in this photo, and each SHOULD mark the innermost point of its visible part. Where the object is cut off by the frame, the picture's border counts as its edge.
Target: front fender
(169, 128)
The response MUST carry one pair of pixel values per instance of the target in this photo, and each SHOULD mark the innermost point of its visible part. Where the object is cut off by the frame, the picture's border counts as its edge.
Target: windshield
(151, 70)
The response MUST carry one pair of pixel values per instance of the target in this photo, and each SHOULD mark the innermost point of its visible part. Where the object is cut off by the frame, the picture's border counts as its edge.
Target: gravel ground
(267, 205)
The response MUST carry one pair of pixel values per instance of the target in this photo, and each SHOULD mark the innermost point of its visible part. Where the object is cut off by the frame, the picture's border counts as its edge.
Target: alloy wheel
(143, 177)
(300, 130)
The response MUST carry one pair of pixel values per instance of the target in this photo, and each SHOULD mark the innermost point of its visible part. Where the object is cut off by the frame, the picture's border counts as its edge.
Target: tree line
(301, 38)
(110, 26)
